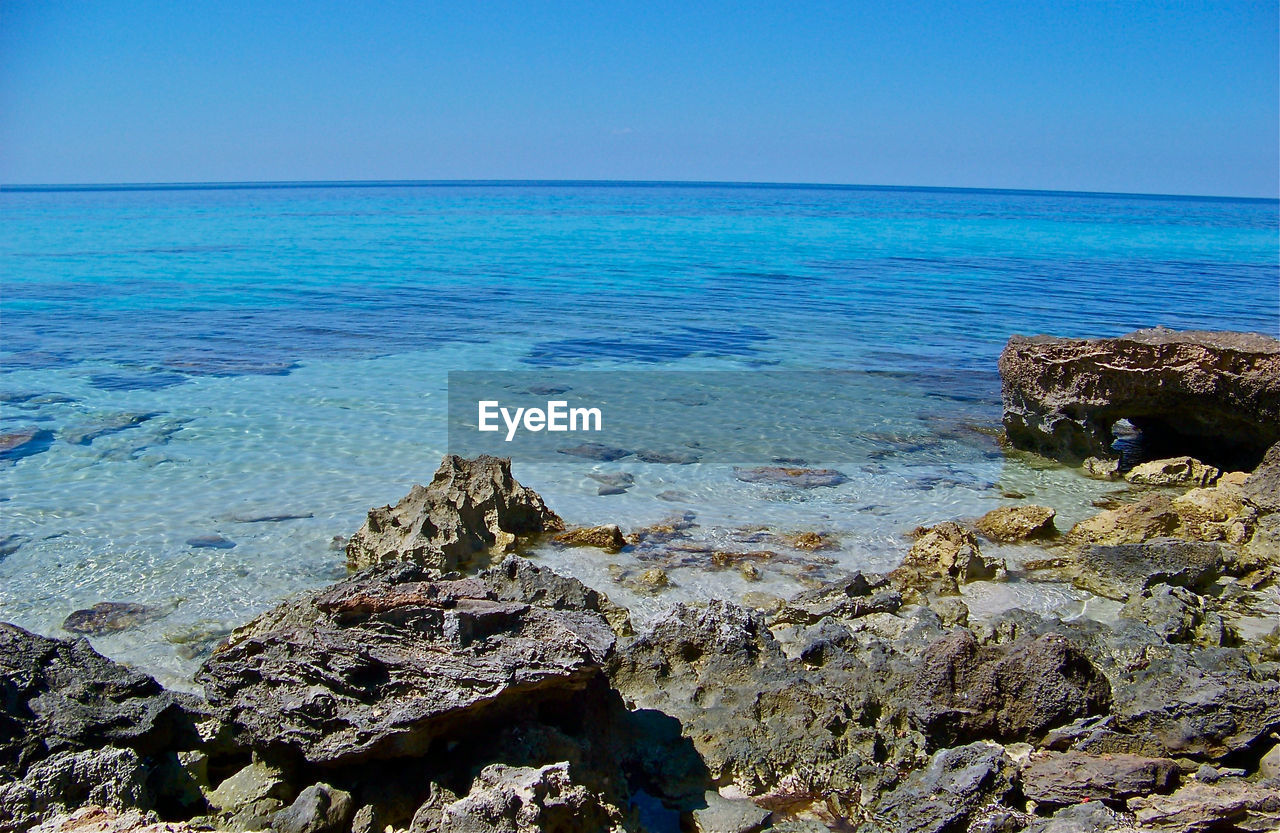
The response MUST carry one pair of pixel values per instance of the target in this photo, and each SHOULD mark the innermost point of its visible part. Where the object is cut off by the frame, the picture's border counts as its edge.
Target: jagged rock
(850, 598)
(507, 799)
(1153, 516)
(470, 507)
(1094, 817)
(1177, 614)
(1172, 471)
(605, 537)
(259, 786)
(1017, 523)
(62, 695)
(1120, 571)
(811, 541)
(950, 791)
(1229, 804)
(1073, 777)
(963, 691)
(1215, 514)
(1264, 544)
(319, 808)
(1215, 396)
(95, 819)
(724, 815)
(382, 664)
(943, 556)
(1101, 469)
(520, 580)
(1263, 486)
(793, 729)
(108, 777)
(1169, 700)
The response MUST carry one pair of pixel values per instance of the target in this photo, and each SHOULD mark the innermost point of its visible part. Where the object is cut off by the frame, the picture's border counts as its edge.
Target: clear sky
(1178, 97)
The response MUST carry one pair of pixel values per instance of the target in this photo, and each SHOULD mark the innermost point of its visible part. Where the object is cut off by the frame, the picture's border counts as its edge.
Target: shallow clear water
(288, 348)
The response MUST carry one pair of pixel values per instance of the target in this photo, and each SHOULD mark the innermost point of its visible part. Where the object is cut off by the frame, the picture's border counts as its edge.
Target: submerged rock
(110, 617)
(1017, 523)
(800, 478)
(469, 508)
(607, 537)
(105, 426)
(1212, 395)
(14, 445)
(213, 542)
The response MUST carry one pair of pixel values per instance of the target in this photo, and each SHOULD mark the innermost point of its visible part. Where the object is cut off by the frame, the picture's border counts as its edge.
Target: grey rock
(723, 815)
(1263, 486)
(506, 799)
(62, 695)
(596, 451)
(1094, 817)
(950, 791)
(319, 808)
(380, 665)
(1178, 615)
(1017, 692)
(1188, 392)
(107, 777)
(104, 427)
(800, 478)
(470, 507)
(212, 542)
(1122, 570)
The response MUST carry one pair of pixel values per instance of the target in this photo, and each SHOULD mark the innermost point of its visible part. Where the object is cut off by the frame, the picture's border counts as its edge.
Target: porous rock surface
(470, 507)
(1188, 392)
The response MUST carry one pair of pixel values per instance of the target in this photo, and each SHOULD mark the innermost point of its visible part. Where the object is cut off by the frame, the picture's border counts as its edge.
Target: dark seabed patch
(680, 343)
(105, 426)
(212, 542)
(136, 381)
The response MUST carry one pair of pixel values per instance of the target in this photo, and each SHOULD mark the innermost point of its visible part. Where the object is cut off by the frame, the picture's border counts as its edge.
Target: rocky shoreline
(450, 684)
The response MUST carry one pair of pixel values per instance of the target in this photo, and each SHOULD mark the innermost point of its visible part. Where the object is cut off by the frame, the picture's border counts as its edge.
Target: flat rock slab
(1122, 570)
(1074, 777)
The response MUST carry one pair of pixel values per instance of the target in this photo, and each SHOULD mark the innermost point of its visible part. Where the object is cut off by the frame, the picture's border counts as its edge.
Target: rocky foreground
(448, 685)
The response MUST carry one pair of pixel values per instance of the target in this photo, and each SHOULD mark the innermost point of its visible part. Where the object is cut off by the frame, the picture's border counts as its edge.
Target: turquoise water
(200, 357)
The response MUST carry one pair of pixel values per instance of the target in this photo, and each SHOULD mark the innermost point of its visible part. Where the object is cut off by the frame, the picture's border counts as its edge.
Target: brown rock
(1073, 777)
(1151, 517)
(470, 507)
(1227, 804)
(1173, 471)
(1263, 486)
(1212, 395)
(605, 537)
(946, 552)
(1017, 523)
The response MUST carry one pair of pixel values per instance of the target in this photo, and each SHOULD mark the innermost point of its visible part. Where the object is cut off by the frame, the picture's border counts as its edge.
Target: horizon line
(234, 185)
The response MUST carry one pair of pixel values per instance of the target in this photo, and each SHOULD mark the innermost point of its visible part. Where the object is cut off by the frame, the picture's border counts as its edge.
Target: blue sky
(1124, 96)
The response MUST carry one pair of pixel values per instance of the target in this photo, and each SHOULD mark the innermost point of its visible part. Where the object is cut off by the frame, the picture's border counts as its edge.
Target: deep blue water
(188, 358)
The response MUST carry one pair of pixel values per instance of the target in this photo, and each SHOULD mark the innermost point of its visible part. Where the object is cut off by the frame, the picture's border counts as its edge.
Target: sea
(219, 381)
